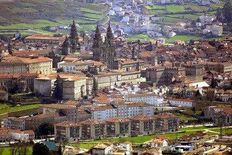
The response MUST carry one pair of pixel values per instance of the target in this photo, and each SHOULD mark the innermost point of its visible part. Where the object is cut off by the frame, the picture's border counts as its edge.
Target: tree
(83, 35)
(58, 88)
(73, 37)
(214, 83)
(95, 87)
(65, 47)
(60, 152)
(10, 48)
(227, 11)
(40, 149)
(44, 129)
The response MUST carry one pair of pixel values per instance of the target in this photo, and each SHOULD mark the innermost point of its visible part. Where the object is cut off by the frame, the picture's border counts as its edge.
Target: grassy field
(182, 38)
(141, 37)
(8, 151)
(175, 8)
(6, 108)
(85, 15)
(142, 139)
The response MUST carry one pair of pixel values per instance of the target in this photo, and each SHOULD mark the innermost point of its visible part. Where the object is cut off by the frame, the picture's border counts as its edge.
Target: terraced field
(32, 16)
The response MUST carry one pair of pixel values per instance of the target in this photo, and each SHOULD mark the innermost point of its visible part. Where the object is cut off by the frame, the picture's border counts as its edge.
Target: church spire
(97, 41)
(109, 34)
(73, 37)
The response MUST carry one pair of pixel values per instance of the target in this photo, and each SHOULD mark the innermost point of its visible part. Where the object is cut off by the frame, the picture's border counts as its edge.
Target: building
(108, 79)
(121, 110)
(151, 99)
(3, 95)
(14, 123)
(19, 65)
(5, 135)
(186, 103)
(161, 75)
(72, 67)
(74, 86)
(116, 127)
(194, 70)
(128, 65)
(219, 115)
(24, 81)
(25, 135)
(45, 39)
(32, 123)
(218, 67)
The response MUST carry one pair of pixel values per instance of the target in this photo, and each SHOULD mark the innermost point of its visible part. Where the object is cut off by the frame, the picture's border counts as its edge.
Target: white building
(22, 135)
(181, 103)
(151, 99)
(122, 110)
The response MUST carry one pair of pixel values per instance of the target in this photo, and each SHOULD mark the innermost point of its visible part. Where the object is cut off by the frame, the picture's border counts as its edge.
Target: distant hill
(27, 11)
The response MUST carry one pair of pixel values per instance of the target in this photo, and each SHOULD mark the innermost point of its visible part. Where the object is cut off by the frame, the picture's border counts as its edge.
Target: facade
(74, 86)
(45, 39)
(18, 65)
(128, 65)
(151, 99)
(117, 127)
(187, 103)
(3, 95)
(219, 67)
(31, 123)
(25, 81)
(219, 115)
(44, 85)
(194, 70)
(108, 79)
(121, 110)
(25, 135)
(14, 123)
(72, 67)
(163, 75)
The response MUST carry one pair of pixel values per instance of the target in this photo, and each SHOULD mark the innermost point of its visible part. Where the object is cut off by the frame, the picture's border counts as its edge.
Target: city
(116, 77)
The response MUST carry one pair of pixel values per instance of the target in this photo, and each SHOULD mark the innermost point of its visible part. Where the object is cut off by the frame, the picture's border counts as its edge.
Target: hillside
(37, 13)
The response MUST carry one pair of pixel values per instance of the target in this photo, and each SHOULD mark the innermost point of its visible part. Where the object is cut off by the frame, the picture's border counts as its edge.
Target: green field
(141, 37)
(6, 108)
(175, 8)
(8, 151)
(88, 16)
(182, 38)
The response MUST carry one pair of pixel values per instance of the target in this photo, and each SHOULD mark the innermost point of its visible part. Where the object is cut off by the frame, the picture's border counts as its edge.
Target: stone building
(13, 65)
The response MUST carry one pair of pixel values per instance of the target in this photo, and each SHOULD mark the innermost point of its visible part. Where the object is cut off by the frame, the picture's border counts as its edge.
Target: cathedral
(104, 51)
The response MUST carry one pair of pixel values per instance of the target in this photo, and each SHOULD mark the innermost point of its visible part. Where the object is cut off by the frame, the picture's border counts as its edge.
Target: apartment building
(177, 102)
(121, 110)
(219, 115)
(32, 123)
(151, 99)
(116, 127)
